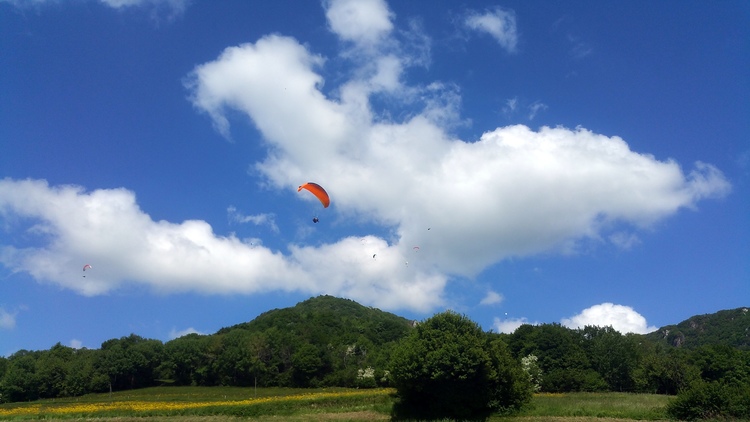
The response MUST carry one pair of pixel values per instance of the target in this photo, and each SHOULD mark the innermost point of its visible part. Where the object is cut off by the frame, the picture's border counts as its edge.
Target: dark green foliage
(663, 370)
(612, 355)
(449, 368)
(307, 364)
(562, 356)
(131, 362)
(730, 327)
(712, 400)
(20, 381)
(722, 363)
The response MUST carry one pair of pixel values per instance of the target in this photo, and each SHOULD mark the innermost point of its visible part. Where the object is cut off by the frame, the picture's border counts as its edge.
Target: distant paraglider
(86, 267)
(319, 193)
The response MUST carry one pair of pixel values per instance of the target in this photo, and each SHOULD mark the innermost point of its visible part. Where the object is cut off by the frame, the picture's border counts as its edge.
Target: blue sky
(580, 163)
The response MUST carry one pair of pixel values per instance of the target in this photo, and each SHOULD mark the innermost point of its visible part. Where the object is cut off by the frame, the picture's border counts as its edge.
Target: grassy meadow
(223, 404)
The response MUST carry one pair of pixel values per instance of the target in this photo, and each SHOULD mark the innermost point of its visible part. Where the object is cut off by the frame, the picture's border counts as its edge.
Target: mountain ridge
(729, 327)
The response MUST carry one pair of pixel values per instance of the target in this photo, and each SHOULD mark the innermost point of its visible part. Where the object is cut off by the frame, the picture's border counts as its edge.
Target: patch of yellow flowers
(159, 406)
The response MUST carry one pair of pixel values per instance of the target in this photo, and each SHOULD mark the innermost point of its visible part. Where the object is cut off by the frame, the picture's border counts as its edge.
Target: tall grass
(598, 405)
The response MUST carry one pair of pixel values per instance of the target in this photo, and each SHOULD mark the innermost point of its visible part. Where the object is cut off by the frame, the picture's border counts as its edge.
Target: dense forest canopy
(328, 341)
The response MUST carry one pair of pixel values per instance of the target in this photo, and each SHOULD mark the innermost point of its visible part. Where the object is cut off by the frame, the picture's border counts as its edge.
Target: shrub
(712, 400)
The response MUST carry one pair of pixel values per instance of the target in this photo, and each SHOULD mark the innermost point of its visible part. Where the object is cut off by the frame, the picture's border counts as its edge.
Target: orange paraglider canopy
(318, 191)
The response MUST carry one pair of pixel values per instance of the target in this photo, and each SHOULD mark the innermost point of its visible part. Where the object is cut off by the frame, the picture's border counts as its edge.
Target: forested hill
(729, 327)
(330, 320)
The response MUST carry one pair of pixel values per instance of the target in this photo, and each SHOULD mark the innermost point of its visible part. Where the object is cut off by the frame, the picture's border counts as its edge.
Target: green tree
(3, 366)
(234, 359)
(20, 382)
(82, 374)
(561, 358)
(52, 371)
(307, 365)
(131, 361)
(663, 370)
(722, 363)
(449, 368)
(613, 356)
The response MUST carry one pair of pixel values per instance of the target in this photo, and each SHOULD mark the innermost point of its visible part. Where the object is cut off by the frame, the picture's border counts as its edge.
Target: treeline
(602, 359)
(327, 341)
(324, 341)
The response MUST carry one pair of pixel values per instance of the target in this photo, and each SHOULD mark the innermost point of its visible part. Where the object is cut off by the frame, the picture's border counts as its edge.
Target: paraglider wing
(87, 267)
(318, 191)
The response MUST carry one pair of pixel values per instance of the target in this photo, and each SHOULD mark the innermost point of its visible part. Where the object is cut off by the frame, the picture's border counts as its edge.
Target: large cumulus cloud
(514, 192)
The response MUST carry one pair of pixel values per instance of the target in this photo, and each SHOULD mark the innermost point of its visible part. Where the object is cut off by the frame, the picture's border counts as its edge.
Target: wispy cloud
(7, 319)
(498, 23)
(511, 104)
(578, 48)
(492, 298)
(624, 240)
(515, 106)
(268, 219)
(535, 108)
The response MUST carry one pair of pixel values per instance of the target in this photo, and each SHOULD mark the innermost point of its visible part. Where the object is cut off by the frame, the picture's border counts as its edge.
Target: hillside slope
(728, 327)
(330, 320)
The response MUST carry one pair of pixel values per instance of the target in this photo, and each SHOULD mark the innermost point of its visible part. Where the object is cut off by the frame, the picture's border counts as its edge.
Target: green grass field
(223, 404)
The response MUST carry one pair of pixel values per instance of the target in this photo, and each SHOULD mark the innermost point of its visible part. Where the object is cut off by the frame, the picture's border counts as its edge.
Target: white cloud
(622, 318)
(573, 182)
(364, 22)
(174, 333)
(7, 319)
(499, 23)
(76, 344)
(492, 298)
(268, 219)
(509, 325)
